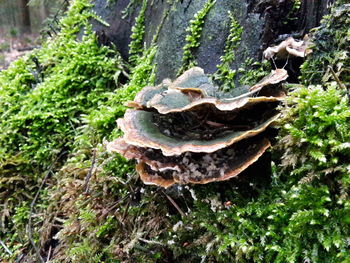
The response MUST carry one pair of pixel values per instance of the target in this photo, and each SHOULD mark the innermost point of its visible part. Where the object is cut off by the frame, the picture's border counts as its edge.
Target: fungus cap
(140, 130)
(289, 47)
(206, 168)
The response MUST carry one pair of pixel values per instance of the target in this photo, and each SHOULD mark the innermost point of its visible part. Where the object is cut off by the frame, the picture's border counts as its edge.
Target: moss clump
(194, 34)
(43, 99)
(93, 230)
(73, 77)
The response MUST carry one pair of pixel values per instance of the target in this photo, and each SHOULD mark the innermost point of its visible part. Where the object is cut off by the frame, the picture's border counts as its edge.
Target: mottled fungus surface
(188, 131)
(179, 133)
(202, 168)
(179, 96)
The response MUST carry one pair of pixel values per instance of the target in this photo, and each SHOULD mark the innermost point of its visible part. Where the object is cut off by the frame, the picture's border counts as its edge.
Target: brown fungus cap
(276, 76)
(155, 160)
(289, 47)
(203, 168)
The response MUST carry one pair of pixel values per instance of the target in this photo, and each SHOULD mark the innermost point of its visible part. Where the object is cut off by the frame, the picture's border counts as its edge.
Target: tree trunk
(24, 12)
(264, 23)
(311, 13)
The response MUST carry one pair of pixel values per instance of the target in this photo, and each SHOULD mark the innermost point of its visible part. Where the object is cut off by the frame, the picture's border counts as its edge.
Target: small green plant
(130, 8)
(138, 31)
(13, 32)
(5, 46)
(224, 74)
(194, 34)
(252, 71)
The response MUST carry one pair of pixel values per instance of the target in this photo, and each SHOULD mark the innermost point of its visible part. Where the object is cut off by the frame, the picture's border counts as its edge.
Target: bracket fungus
(289, 47)
(187, 131)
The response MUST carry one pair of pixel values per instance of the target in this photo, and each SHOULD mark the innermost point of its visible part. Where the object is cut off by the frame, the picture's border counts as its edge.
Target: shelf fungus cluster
(187, 131)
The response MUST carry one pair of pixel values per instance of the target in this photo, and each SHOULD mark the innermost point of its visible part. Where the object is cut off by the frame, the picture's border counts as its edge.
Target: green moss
(293, 14)
(330, 49)
(194, 34)
(130, 8)
(102, 120)
(41, 121)
(136, 45)
(43, 98)
(252, 71)
(224, 75)
(99, 237)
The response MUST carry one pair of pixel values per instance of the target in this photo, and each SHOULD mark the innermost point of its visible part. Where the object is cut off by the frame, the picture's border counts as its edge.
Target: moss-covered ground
(64, 198)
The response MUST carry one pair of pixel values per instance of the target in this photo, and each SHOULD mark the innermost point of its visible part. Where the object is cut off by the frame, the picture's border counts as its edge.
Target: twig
(6, 248)
(174, 204)
(53, 29)
(27, 48)
(151, 242)
(273, 61)
(49, 255)
(336, 78)
(117, 203)
(88, 176)
(126, 211)
(29, 225)
(286, 61)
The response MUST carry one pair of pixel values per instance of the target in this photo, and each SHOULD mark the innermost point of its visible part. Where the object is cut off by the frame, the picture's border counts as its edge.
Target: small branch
(117, 203)
(88, 176)
(174, 204)
(126, 211)
(49, 255)
(27, 48)
(151, 242)
(6, 248)
(52, 29)
(336, 78)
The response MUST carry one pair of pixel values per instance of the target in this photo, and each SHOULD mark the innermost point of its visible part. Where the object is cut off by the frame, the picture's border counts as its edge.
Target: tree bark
(311, 13)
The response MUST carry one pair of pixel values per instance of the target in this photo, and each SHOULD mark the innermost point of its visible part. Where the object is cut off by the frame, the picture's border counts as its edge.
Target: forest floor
(12, 48)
